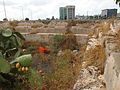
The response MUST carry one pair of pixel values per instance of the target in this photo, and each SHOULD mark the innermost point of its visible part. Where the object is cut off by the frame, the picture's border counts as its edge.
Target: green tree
(118, 2)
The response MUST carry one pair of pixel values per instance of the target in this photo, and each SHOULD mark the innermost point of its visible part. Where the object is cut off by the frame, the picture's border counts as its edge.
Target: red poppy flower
(42, 50)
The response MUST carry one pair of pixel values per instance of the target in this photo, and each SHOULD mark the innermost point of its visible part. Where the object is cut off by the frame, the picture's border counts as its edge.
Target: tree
(118, 2)
(26, 19)
(5, 19)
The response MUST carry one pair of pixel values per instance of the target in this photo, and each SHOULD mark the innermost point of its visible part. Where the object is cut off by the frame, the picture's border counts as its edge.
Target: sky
(41, 9)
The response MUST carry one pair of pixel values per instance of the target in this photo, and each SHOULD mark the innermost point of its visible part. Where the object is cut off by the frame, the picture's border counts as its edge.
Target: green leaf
(19, 35)
(117, 1)
(18, 40)
(4, 66)
(1, 55)
(1, 48)
(7, 32)
(17, 53)
(24, 60)
(2, 79)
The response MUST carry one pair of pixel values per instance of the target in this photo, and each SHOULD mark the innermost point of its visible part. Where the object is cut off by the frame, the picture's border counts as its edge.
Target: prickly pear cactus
(7, 32)
(10, 54)
(10, 42)
(24, 60)
(4, 66)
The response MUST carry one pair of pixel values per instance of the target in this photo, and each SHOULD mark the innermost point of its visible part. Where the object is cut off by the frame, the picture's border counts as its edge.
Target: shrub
(46, 21)
(70, 41)
(57, 40)
(26, 19)
(5, 19)
(65, 41)
(35, 80)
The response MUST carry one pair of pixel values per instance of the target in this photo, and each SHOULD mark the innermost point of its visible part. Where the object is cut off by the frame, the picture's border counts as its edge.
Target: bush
(26, 19)
(70, 41)
(35, 80)
(65, 41)
(57, 40)
(5, 19)
(46, 21)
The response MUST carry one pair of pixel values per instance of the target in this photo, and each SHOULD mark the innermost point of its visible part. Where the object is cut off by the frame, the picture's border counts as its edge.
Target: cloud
(93, 7)
(7, 3)
(48, 8)
(39, 2)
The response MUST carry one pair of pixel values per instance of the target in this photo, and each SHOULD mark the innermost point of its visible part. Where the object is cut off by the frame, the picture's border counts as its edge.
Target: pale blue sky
(48, 8)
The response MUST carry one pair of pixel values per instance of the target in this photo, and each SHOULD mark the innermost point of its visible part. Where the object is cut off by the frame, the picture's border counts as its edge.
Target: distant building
(70, 12)
(118, 15)
(53, 18)
(108, 13)
(67, 12)
(81, 17)
(63, 13)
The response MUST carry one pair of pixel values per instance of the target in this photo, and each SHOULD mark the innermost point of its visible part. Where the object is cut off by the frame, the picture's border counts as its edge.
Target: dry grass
(66, 71)
(13, 23)
(37, 25)
(103, 27)
(118, 40)
(95, 57)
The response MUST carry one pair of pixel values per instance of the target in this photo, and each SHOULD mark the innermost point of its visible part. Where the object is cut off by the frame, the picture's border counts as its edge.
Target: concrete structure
(63, 13)
(118, 15)
(108, 13)
(67, 12)
(81, 17)
(70, 12)
(89, 79)
(48, 37)
(112, 72)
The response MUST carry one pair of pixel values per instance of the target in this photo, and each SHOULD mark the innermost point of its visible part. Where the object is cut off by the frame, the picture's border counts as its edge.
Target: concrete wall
(47, 37)
(112, 72)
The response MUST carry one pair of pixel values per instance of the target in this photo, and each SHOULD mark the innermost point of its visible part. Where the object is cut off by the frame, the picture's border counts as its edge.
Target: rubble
(89, 79)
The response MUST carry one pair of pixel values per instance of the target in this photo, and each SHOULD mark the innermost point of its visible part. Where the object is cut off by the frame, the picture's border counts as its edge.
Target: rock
(75, 52)
(112, 72)
(88, 79)
(60, 53)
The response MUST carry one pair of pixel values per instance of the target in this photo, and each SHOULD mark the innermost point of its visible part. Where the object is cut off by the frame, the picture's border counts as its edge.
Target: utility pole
(31, 14)
(4, 9)
(22, 13)
(87, 14)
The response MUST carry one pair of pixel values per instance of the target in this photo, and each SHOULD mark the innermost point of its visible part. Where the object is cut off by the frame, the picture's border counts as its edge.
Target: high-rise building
(67, 12)
(70, 12)
(63, 13)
